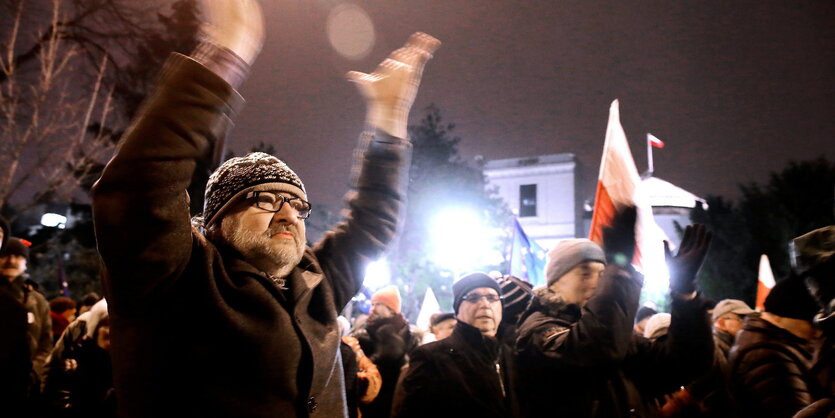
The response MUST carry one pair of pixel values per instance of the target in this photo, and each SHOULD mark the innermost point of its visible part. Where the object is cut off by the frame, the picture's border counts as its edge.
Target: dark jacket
(588, 363)
(197, 331)
(463, 375)
(387, 342)
(39, 335)
(769, 369)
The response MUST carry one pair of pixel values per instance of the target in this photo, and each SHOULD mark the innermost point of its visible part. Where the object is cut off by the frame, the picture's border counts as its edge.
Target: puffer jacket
(586, 362)
(769, 368)
(196, 330)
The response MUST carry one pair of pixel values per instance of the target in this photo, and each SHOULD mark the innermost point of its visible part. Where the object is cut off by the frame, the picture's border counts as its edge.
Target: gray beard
(276, 257)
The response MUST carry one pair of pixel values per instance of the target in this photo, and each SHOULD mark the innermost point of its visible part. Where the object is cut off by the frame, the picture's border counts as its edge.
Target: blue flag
(527, 258)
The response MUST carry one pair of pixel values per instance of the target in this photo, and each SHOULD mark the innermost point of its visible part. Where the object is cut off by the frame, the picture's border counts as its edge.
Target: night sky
(736, 88)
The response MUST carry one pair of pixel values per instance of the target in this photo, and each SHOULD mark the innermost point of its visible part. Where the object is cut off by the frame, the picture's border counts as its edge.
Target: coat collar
(552, 304)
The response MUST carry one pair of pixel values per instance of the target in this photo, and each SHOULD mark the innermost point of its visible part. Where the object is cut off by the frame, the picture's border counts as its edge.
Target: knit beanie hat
(814, 248)
(240, 175)
(789, 298)
(569, 253)
(469, 282)
(389, 296)
(516, 295)
(657, 325)
(16, 246)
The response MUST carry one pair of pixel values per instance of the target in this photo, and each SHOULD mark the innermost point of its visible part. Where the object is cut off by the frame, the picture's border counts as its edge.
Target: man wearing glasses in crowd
(237, 317)
(469, 373)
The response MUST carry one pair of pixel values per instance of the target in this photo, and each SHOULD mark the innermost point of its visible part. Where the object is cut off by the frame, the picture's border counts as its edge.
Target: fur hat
(789, 298)
(813, 249)
(569, 253)
(16, 246)
(240, 175)
(389, 296)
(469, 282)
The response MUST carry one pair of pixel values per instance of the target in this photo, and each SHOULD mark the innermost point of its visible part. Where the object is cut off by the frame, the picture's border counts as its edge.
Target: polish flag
(619, 185)
(765, 282)
(655, 142)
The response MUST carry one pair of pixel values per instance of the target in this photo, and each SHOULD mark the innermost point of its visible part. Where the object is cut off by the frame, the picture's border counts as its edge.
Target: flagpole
(512, 243)
(649, 155)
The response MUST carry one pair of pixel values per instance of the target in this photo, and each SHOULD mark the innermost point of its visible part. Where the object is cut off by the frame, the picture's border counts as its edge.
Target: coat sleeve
(376, 202)
(600, 337)
(140, 204)
(415, 393)
(663, 366)
(44, 337)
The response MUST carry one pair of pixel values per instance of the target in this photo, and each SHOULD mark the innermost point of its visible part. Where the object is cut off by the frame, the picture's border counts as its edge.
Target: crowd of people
(233, 314)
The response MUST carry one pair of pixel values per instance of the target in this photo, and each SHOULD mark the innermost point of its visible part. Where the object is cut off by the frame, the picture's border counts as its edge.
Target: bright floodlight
(461, 241)
(377, 274)
(54, 220)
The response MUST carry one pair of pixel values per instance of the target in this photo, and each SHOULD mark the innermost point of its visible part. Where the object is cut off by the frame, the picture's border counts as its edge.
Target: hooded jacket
(196, 330)
(586, 362)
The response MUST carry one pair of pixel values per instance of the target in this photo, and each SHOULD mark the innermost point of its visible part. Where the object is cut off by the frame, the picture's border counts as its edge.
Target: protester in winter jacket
(578, 354)
(15, 360)
(771, 360)
(471, 373)
(238, 317)
(14, 259)
(387, 339)
(82, 386)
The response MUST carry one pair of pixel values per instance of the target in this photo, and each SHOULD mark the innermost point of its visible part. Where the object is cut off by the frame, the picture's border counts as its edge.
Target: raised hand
(619, 238)
(684, 266)
(390, 90)
(237, 25)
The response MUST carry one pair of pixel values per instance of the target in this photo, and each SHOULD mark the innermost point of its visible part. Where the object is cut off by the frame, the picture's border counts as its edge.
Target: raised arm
(140, 204)
(381, 167)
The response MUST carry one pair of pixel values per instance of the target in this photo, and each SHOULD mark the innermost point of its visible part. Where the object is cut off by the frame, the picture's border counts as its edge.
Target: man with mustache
(469, 373)
(237, 317)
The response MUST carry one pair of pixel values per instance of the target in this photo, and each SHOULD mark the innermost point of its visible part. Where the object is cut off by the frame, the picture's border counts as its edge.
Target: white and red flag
(765, 281)
(654, 141)
(618, 185)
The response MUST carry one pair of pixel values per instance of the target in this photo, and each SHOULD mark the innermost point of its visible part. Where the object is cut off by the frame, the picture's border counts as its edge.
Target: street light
(54, 220)
(460, 241)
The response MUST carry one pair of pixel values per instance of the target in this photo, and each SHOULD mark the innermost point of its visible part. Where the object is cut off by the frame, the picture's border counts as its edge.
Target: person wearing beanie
(387, 339)
(577, 349)
(771, 360)
(21, 342)
(517, 294)
(470, 373)
(267, 340)
(14, 261)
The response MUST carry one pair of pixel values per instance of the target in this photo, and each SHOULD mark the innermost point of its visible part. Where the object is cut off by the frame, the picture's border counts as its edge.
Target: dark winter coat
(463, 375)
(197, 331)
(39, 335)
(588, 363)
(387, 342)
(769, 369)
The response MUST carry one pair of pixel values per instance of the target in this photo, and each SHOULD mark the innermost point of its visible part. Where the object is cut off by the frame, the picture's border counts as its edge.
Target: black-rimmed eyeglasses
(273, 202)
